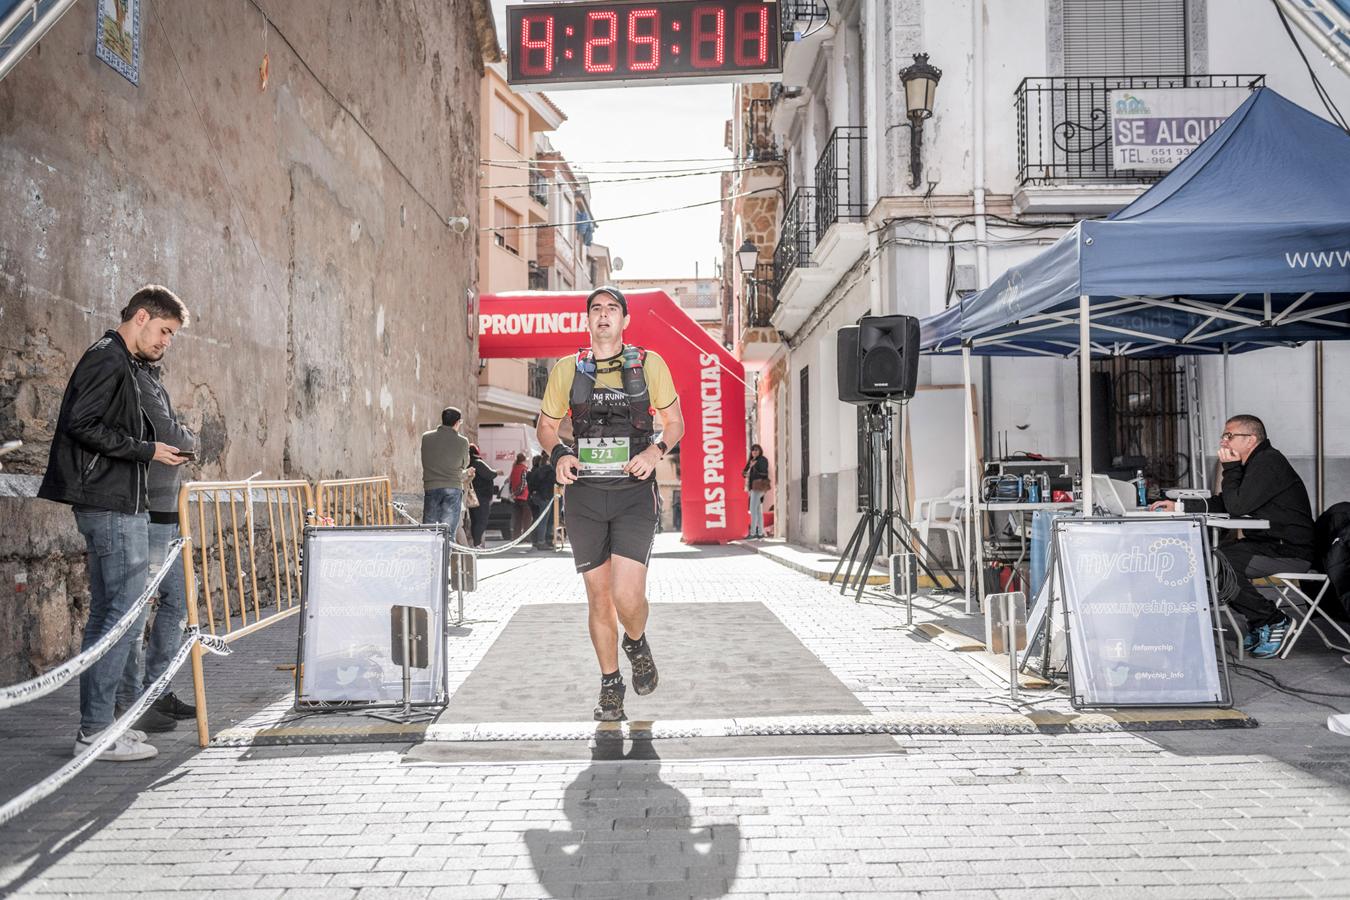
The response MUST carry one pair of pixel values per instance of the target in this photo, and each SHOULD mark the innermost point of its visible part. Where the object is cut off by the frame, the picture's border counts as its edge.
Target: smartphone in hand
(187, 454)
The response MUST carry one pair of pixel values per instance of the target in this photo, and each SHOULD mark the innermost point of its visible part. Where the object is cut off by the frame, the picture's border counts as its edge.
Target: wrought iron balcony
(539, 185)
(538, 278)
(1064, 124)
(538, 378)
(794, 11)
(759, 297)
(798, 236)
(760, 145)
(840, 172)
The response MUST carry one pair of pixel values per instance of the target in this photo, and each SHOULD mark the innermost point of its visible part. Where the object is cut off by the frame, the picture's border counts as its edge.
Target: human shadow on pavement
(632, 834)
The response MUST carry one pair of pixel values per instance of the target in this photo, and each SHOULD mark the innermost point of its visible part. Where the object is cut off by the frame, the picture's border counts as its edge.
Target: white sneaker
(125, 749)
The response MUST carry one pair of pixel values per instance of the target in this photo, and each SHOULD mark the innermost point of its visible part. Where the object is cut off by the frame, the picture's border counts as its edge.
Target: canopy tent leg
(969, 527)
(1085, 401)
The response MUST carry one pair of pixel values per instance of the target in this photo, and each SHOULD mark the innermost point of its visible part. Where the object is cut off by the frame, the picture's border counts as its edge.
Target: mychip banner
(353, 577)
(1140, 620)
(1154, 130)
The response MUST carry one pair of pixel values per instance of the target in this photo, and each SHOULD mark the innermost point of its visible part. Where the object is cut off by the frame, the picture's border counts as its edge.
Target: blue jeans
(166, 633)
(757, 514)
(118, 556)
(443, 505)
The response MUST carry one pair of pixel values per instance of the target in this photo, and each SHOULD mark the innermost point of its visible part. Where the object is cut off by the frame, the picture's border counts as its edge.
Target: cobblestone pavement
(1210, 814)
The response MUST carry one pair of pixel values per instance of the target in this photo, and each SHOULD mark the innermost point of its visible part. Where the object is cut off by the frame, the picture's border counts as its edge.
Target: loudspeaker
(878, 359)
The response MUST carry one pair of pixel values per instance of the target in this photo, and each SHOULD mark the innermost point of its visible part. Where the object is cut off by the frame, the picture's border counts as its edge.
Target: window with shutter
(1124, 37)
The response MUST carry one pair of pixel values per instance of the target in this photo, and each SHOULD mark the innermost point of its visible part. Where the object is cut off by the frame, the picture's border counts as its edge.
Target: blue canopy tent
(1245, 244)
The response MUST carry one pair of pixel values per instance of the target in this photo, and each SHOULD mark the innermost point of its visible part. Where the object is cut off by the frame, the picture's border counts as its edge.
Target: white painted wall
(1036, 399)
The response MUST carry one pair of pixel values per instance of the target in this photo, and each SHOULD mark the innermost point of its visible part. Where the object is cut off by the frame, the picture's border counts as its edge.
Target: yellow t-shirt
(558, 392)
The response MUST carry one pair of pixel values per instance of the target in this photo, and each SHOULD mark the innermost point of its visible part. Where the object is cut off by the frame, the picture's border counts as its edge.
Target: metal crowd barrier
(356, 501)
(220, 523)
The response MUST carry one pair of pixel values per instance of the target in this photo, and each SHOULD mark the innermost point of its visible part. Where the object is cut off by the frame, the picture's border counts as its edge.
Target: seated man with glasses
(1258, 482)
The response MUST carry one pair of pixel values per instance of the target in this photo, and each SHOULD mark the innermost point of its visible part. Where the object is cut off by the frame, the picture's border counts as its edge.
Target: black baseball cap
(613, 292)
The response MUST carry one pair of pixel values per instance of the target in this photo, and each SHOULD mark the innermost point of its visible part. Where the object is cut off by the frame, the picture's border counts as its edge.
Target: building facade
(518, 197)
(302, 210)
(876, 217)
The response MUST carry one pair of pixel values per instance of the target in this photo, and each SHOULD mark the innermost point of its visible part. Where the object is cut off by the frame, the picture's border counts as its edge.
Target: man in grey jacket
(147, 660)
(445, 456)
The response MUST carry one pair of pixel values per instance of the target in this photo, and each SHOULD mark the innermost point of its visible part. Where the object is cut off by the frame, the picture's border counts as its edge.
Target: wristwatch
(661, 445)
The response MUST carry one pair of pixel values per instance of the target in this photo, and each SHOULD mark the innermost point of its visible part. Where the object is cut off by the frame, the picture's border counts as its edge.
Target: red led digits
(710, 33)
(651, 40)
(752, 27)
(530, 46)
(602, 32)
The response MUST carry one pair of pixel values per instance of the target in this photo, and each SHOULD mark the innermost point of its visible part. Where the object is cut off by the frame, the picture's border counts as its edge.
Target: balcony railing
(538, 378)
(759, 297)
(795, 11)
(538, 278)
(1064, 124)
(539, 188)
(839, 178)
(760, 145)
(798, 237)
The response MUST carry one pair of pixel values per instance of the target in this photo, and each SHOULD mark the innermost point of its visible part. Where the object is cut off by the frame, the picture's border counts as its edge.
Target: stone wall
(303, 222)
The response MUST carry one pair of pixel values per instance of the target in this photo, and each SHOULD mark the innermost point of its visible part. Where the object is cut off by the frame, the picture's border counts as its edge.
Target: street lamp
(747, 257)
(920, 82)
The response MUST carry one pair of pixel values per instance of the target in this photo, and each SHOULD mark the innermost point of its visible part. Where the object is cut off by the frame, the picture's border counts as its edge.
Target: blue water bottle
(1141, 488)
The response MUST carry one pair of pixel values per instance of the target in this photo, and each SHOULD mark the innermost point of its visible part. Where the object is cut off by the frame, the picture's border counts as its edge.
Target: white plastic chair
(944, 514)
(1289, 586)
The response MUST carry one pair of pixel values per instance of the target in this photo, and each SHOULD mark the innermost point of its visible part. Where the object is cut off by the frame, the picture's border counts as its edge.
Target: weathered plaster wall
(303, 224)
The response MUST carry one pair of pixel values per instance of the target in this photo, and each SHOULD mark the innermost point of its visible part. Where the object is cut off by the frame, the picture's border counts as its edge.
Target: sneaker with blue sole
(1273, 639)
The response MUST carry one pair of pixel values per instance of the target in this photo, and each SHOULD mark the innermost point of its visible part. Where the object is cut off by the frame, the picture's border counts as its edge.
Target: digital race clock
(562, 45)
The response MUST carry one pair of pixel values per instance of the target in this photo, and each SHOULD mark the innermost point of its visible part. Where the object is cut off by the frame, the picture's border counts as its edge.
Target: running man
(610, 390)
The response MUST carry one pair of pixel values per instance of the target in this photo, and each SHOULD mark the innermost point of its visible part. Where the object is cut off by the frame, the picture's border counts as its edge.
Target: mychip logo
(1169, 560)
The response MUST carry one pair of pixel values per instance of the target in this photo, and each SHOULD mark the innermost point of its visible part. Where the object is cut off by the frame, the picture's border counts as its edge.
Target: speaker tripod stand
(880, 523)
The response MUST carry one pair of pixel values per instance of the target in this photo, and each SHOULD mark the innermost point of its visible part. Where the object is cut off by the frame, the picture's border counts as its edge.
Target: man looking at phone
(610, 390)
(103, 444)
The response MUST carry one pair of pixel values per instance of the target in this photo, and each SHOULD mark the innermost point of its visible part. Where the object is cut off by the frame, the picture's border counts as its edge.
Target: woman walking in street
(756, 474)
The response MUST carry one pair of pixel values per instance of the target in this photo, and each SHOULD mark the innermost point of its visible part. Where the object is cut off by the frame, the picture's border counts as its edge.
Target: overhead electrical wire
(630, 171)
(1321, 91)
(636, 215)
(639, 178)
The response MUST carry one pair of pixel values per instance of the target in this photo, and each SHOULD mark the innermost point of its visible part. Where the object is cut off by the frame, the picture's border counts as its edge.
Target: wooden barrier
(220, 522)
(356, 501)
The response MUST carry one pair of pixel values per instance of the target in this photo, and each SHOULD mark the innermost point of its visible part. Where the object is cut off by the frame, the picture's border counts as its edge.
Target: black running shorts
(610, 521)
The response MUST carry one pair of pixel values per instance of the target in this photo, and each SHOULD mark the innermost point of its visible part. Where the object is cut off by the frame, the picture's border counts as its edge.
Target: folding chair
(943, 514)
(1289, 586)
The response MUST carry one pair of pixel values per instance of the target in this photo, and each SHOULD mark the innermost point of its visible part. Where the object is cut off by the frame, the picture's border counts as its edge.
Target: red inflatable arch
(710, 382)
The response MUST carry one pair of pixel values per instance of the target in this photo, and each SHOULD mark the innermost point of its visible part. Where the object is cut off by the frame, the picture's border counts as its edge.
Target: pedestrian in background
(97, 464)
(445, 456)
(540, 481)
(519, 490)
(756, 472)
(484, 485)
(147, 661)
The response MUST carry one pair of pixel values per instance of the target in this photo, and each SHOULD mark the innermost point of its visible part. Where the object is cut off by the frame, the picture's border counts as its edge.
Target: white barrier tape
(403, 511)
(108, 736)
(44, 684)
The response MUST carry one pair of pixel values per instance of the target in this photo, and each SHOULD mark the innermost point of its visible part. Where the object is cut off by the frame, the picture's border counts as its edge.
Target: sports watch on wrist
(662, 446)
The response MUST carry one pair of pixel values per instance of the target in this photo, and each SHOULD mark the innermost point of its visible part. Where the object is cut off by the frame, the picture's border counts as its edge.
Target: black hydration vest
(605, 412)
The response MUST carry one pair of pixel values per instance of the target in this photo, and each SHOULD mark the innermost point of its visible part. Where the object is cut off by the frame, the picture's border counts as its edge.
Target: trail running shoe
(1274, 639)
(610, 706)
(639, 653)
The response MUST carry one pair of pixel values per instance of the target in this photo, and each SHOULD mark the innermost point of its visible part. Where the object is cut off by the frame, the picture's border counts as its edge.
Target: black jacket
(1266, 487)
(103, 442)
(755, 467)
(162, 479)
